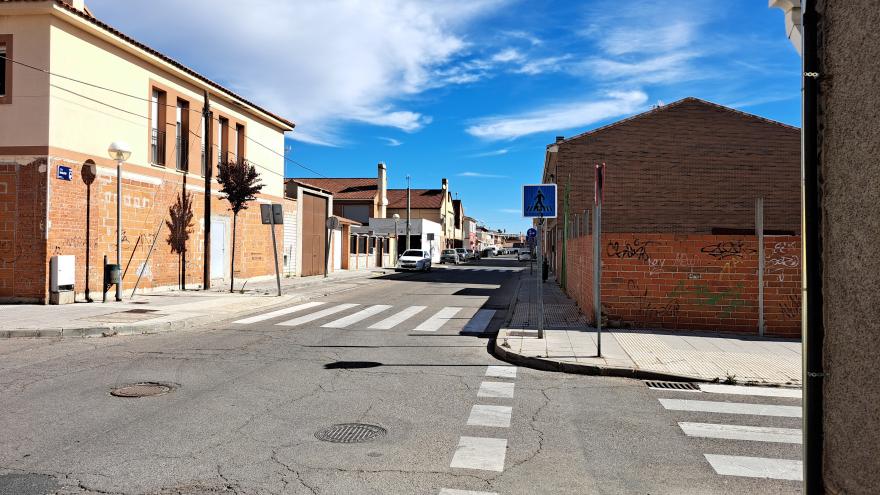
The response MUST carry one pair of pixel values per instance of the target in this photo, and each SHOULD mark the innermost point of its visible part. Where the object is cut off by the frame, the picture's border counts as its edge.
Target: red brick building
(679, 245)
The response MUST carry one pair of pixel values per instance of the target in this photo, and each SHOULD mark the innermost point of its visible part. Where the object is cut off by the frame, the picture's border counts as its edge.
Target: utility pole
(407, 212)
(206, 163)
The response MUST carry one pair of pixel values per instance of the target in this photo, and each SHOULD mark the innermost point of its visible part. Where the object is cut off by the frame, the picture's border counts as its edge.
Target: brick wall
(690, 166)
(23, 275)
(693, 281)
(147, 196)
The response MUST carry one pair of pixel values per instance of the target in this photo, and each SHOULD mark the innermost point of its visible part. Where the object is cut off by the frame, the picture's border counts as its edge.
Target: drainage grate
(143, 389)
(140, 311)
(687, 386)
(351, 433)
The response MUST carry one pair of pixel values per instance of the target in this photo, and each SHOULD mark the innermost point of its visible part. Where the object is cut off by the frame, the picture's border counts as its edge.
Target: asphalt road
(248, 399)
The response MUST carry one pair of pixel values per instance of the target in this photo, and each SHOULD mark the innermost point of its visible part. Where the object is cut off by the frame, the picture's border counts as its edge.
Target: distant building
(435, 205)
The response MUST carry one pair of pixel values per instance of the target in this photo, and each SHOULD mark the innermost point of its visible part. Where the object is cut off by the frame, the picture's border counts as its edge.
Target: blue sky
(471, 90)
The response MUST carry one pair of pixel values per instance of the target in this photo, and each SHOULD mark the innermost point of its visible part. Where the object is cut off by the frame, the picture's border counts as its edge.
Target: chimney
(77, 4)
(445, 186)
(382, 192)
(560, 139)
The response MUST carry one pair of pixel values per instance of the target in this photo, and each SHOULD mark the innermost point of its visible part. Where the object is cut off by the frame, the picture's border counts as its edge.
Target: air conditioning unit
(62, 273)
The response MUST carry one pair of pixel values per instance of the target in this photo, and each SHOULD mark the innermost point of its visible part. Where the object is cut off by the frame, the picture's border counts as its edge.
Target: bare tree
(179, 230)
(240, 183)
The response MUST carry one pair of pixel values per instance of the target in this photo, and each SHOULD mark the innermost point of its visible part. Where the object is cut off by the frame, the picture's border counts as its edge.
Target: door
(314, 237)
(218, 249)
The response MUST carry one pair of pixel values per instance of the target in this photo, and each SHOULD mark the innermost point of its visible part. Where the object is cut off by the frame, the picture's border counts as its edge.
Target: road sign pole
(597, 274)
(539, 278)
(275, 250)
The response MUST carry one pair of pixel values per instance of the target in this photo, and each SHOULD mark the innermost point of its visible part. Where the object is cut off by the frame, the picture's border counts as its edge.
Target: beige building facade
(58, 114)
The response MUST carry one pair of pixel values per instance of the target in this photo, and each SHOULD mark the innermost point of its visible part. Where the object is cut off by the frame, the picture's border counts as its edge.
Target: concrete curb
(111, 330)
(589, 369)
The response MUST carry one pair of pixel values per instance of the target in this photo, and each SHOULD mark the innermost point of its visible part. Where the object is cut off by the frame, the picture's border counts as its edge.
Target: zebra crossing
(733, 411)
(478, 268)
(374, 317)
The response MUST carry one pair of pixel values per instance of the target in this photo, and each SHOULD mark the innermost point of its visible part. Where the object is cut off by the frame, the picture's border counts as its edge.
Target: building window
(362, 244)
(182, 144)
(239, 143)
(6, 68)
(223, 149)
(206, 133)
(158, 103)
(353, 248)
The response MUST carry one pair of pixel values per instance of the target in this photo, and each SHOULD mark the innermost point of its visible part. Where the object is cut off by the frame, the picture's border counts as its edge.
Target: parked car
(517, 248)
(524, 255)
(463, 254)
(415, 259)
(488, 252)
(449, 256)
(475, 255)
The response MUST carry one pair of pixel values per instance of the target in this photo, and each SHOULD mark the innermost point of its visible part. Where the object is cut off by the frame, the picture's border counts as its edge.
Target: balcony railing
(182, 154)
(157, 147)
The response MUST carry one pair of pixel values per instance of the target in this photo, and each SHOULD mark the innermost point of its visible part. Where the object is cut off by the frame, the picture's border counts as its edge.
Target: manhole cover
(143, 389)
(351, 365)
(140, 311)
(351, 433)
(687, 386)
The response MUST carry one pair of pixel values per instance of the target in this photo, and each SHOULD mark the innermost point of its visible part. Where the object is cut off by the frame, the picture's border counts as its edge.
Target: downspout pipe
(812, 317)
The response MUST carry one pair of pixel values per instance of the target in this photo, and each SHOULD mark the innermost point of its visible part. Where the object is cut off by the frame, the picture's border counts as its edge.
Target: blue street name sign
(531, 233)
(65, 173)
(539, 201)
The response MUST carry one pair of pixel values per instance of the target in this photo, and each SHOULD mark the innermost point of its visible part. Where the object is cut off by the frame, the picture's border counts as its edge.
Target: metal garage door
(314, 241)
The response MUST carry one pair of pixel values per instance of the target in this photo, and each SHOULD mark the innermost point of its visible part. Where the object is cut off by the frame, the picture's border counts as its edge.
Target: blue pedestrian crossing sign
(532, 233)
(539, 201)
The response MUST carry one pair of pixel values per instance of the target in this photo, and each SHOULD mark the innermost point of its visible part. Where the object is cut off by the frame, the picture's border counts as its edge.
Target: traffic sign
(531, 233)
(539, 201)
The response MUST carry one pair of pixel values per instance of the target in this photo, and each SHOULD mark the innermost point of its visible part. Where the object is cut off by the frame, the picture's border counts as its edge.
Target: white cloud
(391, 141)
(541, 65)
(510, 210)
(502, 151)
(507, 55)
(560, 116)
(322, 63)
(480, 175)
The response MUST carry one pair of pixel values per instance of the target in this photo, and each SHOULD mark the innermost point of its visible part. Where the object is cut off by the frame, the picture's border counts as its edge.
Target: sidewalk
(167, 310)
(570, 346)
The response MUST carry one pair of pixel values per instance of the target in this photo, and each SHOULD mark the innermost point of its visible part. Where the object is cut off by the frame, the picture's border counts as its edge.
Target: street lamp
(396, 217)
(119, 151)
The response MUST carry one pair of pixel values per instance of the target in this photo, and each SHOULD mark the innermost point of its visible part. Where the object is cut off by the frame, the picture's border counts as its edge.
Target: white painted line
(731, 408)
(439, 319)
(280, 312)
(317, 315)
(356, 317)
(739, 432)
(756, 467)
(398, 318)
(496, 389)
(497, 416)
(450, 491)
(486, 454)
(794, 393)
(480, 321)
(501, 371)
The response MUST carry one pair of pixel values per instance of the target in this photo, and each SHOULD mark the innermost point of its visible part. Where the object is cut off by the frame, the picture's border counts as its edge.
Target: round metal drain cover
(143, 389)
(351, 433)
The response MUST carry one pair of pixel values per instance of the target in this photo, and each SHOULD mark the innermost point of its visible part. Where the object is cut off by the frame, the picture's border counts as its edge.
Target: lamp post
(407, 211)
(396, 217)
(119, 151)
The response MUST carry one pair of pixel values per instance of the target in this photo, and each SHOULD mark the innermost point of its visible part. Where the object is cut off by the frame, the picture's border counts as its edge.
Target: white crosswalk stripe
(731, 408)
(486, 454)
(318, 315)
(501, 371)
(793, 393)
(756, 467)
(497, 416)
(496, 389)
(356, 317)
(439, 319)
(480, 321)
(739, 432)
(398, 318)
(452, 491)
(280, 312)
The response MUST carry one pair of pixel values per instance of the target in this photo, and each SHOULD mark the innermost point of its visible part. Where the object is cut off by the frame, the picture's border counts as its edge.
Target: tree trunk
(232, 262)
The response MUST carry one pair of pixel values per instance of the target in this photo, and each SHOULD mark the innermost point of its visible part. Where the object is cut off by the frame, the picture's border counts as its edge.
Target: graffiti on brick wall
(128, 200)
(651, 310)
(685, 260)
(728, 299)
(635, 250)
(655, 267)
(727, 249)
(783, 255)
(791, 306)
